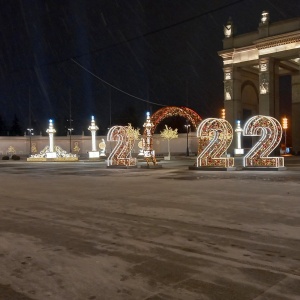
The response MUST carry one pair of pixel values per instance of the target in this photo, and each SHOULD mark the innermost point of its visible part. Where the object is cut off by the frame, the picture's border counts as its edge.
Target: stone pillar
(232, 97)
(239, 130)
(296, 112)
(51, 131)
(268, 87)
(93, 128)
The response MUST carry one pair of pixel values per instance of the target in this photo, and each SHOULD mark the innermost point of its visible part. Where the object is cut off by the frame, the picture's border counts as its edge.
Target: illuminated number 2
(270, 132)
(120, 155)
(215, 136)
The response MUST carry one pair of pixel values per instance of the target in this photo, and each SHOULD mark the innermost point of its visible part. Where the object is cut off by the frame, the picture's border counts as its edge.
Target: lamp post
(187, 126)
(30, 133)
(70, 135)
(70, 129)
(285, 127)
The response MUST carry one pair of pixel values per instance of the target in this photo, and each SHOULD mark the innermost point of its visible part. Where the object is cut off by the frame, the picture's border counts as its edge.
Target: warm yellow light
(270, 131)
(215, 137)
(284, 123)
(223, 115)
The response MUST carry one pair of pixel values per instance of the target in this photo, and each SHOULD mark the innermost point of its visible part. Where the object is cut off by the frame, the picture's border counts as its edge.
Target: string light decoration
(149, 153)
(141, 146)
(270, 132)
(215, 136)
(223, 113)
(76, 147)
(285, 127)
(121, 154)
(11, 150)
(102, 147)
(169, 134)
(60, 155)
(285, 123)
(132, 135)
(171, 111)
(33, 148)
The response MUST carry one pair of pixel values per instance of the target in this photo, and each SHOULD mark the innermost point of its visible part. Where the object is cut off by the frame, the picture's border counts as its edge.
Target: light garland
(270, 132)
(121, 154)
(215, 136)
(147, 143)
(59, 153)
(172, 111)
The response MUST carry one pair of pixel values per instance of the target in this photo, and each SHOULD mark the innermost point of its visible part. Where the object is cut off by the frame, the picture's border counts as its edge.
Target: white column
(239, 130)
(94, 140)
(51, 131)
(93, 128)
(232, 97)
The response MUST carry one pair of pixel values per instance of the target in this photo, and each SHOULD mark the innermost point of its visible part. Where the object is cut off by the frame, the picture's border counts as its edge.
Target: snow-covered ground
(82, 231)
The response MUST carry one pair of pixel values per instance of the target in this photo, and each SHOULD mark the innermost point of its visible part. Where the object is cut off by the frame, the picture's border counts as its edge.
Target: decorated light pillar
(51, 131)
(93, 128)
(238, 130)
(149, 153)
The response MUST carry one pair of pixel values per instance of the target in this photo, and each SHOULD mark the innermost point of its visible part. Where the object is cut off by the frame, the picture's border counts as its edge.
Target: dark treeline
(62, 126)
(13, 129)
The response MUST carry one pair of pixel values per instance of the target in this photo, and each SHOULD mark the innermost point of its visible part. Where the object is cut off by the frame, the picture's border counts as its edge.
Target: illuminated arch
(171, 111)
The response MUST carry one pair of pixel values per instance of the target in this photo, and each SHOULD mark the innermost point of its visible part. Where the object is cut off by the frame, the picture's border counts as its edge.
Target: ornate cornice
(278, 41)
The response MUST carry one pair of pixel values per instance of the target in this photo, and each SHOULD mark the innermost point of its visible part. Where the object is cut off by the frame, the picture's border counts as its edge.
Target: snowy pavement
(82, 231)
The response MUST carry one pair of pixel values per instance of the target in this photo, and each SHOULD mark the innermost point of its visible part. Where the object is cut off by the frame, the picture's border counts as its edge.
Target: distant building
(253, 63)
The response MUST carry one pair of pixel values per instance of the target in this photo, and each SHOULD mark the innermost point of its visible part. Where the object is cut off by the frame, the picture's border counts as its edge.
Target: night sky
(117, 59)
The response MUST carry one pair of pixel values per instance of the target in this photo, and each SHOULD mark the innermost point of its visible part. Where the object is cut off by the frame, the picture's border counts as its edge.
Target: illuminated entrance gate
(172, 111)
(252, 65)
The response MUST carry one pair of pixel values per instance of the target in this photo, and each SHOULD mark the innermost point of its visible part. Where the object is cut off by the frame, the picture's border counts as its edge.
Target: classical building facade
(252, 65)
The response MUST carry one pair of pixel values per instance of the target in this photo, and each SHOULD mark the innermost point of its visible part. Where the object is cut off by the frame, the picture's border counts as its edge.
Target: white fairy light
(215, 136)
(270, 132)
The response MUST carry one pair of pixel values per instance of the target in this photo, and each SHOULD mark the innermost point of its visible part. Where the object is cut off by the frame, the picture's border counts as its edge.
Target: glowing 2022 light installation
(93, 128)
(215, 136)
(149, 153)
(270, 132)
(120, 155)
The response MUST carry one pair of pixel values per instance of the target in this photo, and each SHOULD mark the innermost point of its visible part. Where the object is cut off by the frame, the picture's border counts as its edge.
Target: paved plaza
(82, 231)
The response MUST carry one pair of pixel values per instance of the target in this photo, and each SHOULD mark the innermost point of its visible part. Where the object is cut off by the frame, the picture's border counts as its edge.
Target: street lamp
(70, 135)
(187, 126)
(30, 133)
(285, 127)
